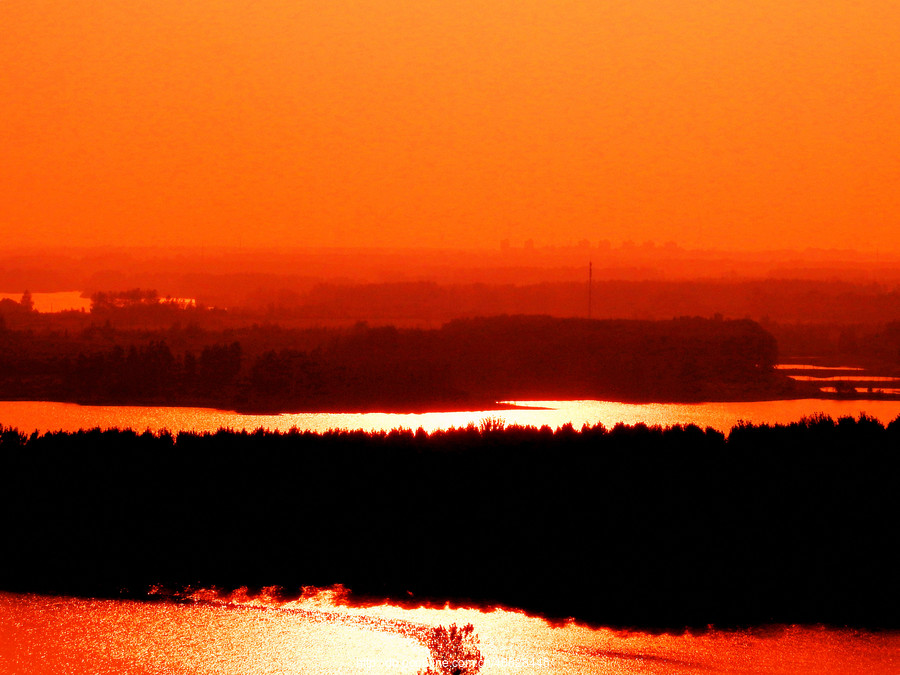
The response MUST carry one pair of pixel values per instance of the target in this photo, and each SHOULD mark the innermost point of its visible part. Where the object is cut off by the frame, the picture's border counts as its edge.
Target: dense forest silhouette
(466, 362)
(629, 526)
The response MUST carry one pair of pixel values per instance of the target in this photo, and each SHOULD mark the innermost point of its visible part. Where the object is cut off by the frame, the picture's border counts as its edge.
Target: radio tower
(590, 286)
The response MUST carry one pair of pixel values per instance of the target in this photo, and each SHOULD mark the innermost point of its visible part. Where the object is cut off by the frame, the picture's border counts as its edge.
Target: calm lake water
(50, 635)
(54, 302)
(28, 416)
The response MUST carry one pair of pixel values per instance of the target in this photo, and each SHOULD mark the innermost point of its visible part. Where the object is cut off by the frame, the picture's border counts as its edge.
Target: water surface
(53, 635)
(42, 416)
(54, 302)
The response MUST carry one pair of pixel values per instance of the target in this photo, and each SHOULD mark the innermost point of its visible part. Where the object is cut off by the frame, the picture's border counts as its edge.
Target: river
(28, 416)
(65, 636)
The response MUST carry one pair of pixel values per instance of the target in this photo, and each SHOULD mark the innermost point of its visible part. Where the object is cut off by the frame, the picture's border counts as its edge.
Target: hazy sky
(716, 123)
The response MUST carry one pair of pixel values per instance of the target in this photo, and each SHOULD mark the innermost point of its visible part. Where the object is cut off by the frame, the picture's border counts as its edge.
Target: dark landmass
(296, 342)
(629, 527)
(839, 315)
(465, 364)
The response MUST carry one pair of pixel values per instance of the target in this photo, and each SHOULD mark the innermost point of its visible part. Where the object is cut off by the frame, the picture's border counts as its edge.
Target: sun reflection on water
(229, 634)
(48, 416)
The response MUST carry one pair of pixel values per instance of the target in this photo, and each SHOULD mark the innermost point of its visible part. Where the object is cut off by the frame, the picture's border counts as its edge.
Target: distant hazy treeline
(629, 526)
(468, 360)
(628, 294)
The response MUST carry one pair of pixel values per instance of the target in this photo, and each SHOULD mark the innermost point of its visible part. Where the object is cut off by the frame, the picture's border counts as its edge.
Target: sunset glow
(395, 123)
(449, 337)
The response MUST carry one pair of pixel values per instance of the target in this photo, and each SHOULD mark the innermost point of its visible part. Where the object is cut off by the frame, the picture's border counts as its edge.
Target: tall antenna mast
(590, 286)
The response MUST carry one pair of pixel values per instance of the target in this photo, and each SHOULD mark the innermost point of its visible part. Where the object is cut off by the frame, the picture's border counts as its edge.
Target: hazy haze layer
(400, 123)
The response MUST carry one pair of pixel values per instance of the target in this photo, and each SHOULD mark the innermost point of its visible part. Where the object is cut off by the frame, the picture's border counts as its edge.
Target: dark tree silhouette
(27, 302)
(629, 526)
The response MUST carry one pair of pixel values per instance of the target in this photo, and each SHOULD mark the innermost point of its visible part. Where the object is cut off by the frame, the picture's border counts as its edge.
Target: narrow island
(465, 364)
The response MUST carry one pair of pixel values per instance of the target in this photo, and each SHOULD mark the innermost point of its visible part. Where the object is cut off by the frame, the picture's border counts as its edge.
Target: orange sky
(716, 123)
